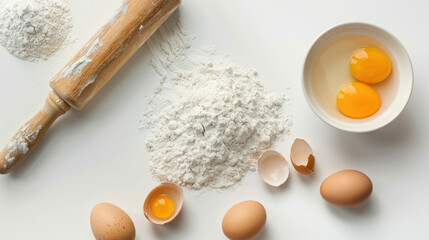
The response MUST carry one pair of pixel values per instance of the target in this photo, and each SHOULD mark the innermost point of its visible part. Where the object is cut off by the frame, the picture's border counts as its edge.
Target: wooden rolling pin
(96, 63)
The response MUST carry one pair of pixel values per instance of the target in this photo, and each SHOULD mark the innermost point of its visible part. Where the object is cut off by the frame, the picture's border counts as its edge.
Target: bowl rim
(306, 62)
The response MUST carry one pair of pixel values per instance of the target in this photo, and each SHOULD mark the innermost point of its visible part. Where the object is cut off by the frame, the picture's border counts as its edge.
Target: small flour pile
(210, 118)
(34, 29)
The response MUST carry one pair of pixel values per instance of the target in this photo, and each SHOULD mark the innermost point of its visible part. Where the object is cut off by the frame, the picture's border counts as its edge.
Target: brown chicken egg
(347, 188)
(244, 221)
(108, 222)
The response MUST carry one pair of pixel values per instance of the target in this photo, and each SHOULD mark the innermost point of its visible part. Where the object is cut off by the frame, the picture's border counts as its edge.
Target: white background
(98, 154)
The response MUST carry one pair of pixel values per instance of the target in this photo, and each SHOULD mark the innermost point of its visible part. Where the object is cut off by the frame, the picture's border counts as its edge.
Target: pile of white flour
(34, 29)
(210, 118)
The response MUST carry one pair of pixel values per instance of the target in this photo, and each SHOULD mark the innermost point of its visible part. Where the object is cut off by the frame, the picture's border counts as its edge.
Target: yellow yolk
(358, 100)
(370, 65)
(162, 207)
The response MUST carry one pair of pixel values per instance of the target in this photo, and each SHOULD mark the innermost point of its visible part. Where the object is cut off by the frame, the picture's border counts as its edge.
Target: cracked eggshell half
(302, 157)
(164, 189)
(273, 168)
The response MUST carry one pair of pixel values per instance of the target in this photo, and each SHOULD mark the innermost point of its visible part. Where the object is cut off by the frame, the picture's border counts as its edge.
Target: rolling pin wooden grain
(95, 64)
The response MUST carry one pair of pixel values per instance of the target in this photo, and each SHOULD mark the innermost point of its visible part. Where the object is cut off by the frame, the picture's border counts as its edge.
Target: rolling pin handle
(30, 134)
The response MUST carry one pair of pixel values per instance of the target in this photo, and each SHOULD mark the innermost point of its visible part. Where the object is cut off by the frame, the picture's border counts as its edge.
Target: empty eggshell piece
(108, 222)
(244, 221)
(347, 188)
(170, 190)
(273, 168)
(302, 157)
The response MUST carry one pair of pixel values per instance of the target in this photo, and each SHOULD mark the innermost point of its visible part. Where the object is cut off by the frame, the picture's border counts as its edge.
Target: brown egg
(244, 221)
(108, 222)
(347, 188)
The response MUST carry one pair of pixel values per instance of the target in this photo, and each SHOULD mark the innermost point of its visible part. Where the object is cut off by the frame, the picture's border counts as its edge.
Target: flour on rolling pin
(132, 24)
(121, 11)
(89, 70)
(19, 144)
(77, 67)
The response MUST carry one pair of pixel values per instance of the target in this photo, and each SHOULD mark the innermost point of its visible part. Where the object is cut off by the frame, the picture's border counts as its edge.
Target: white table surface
(98, 154)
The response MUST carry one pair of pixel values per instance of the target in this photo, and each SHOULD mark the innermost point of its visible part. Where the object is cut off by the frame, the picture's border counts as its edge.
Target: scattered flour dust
(210, 118)
(34, 29)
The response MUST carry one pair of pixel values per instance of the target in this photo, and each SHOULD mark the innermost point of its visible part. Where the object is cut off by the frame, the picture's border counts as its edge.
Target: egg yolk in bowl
(358, 100)
(370, 65)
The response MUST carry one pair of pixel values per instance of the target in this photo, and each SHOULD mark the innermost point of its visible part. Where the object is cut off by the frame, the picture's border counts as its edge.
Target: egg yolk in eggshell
(162, 207)
(370, 65)
(358, 100)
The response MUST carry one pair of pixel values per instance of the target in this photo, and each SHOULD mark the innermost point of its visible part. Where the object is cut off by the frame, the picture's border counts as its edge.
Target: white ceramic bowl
(394, 100)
